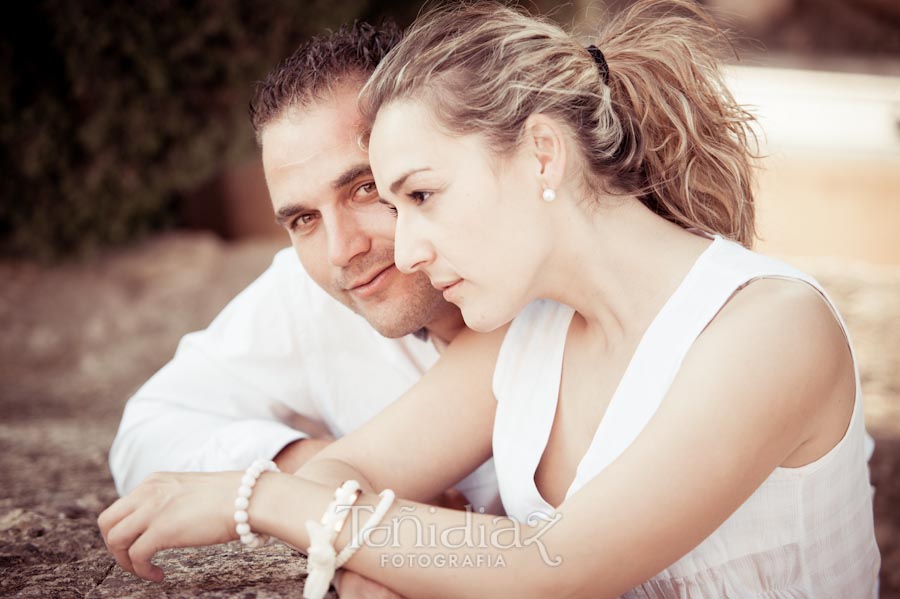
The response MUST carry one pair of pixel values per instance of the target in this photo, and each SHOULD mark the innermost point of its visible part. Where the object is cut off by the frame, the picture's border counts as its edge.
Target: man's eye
(365, 190)
(302, 222)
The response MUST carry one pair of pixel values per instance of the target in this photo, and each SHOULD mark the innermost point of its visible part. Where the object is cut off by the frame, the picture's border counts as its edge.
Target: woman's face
(475, 225)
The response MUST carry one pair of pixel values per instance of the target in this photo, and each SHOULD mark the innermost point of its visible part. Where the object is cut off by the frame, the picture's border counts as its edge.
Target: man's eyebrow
(351, 174)
(401, 180)
(285, 213)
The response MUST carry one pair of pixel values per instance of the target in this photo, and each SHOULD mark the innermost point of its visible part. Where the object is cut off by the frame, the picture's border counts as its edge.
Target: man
(303, 354)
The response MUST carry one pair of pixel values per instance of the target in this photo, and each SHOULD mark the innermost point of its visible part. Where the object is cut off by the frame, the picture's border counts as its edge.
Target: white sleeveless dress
(807, 532)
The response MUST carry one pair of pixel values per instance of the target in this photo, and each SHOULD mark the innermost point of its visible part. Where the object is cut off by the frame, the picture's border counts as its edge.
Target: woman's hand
(169, 510)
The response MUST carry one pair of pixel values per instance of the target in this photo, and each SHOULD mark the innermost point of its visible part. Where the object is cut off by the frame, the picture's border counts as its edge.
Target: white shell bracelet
(320, 560)
(384, 504)
(242, 502)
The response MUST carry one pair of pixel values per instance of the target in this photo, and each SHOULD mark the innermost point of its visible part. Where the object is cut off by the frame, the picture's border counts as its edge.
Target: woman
(675, 416)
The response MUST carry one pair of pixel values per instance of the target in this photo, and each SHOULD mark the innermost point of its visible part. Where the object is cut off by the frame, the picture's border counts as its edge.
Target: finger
(142, 551)
(116, 512)
(123, 535)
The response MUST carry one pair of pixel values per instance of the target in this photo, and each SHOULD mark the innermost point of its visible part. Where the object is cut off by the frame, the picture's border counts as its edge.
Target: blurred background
(133, 206)
(124, 119)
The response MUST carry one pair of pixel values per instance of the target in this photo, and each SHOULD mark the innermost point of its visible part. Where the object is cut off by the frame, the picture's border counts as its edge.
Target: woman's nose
(412, 251)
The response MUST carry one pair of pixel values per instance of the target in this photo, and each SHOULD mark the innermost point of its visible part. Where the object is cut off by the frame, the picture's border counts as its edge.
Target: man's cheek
(314, 262)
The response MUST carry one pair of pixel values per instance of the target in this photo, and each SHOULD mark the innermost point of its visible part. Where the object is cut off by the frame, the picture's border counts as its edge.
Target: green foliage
(111, 109)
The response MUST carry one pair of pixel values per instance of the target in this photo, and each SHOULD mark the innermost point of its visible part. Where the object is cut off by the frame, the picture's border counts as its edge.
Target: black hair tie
(598, 57)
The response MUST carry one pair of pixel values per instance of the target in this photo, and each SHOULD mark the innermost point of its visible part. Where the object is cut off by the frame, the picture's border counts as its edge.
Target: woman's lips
(450, 291)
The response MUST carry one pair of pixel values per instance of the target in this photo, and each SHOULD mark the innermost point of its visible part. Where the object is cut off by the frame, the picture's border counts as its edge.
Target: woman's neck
(618, 267)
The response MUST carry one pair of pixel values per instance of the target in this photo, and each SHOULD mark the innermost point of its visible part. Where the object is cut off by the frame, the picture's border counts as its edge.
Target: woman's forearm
(330, 472)
(420, 550)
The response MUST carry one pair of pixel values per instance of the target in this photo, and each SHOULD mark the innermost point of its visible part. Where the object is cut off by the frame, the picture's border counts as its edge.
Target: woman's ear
(544, 139)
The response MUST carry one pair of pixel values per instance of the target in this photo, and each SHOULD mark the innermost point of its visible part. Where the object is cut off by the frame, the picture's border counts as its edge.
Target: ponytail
(687, 141)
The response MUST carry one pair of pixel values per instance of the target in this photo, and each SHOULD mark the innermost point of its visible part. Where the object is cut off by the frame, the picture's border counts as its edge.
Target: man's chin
(395, 332)
(401, 316)
(391, 324)
(407, 304)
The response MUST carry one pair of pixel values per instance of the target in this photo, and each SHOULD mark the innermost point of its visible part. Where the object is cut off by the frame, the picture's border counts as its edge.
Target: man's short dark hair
(318, 66)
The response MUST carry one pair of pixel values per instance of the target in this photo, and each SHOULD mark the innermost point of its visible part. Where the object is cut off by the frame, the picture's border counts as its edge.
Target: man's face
(324, 195)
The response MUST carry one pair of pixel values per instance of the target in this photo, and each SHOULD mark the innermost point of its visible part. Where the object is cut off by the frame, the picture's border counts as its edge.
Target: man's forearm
(155, 436)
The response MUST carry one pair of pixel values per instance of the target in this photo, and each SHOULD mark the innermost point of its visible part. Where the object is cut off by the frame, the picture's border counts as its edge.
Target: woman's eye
(419, 197)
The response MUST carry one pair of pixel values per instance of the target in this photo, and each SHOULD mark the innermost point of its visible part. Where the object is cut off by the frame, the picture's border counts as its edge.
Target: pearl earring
(549, 194)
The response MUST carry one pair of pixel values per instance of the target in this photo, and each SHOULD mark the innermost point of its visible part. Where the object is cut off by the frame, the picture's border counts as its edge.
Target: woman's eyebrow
(402, 179)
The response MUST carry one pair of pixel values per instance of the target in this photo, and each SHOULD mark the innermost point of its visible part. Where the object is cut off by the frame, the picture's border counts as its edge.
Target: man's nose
(346, 240)
(412, 251)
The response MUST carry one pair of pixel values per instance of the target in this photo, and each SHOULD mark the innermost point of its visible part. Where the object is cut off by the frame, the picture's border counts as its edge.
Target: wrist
(282, 503)
(243, 527)
(232, 484)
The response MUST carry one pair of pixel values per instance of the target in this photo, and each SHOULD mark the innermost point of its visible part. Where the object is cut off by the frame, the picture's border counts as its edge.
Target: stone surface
(79, 338)
(215, 572)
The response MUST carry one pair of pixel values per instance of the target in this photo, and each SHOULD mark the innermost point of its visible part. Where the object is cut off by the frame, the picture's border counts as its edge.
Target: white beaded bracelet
(384, 504)
(242, 502)
(320, 561)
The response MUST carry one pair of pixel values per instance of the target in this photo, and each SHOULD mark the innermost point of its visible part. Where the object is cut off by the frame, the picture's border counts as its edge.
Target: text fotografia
(408, 531)
(441, 560)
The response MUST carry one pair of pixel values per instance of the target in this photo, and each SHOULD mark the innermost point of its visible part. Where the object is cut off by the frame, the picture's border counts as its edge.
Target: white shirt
(283, 345)
(805, 532)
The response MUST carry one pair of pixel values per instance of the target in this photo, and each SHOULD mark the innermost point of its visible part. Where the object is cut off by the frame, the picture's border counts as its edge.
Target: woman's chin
(481, 322)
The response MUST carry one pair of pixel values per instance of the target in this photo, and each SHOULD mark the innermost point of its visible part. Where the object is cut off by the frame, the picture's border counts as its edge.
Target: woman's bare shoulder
(781, 342)
(780, 310)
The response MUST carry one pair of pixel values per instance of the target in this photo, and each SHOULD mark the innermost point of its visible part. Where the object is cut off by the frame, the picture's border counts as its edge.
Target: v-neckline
(556, 384)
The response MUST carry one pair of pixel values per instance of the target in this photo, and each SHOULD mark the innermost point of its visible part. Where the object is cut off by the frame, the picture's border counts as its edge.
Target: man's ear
(544, 139)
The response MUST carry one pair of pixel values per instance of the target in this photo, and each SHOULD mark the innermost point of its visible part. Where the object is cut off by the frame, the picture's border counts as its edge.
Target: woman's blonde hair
(664, 128)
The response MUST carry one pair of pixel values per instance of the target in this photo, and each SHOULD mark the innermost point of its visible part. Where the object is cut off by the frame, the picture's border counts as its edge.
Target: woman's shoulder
(779, 298)
(779, 307)
(785, 337)
(771, 314)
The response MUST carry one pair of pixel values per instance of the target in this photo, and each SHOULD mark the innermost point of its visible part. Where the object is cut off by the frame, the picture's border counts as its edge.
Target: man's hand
(350, 585)
(295, 454)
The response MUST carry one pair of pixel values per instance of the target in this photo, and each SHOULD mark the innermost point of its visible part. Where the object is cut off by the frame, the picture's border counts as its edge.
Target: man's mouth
(373, 283)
